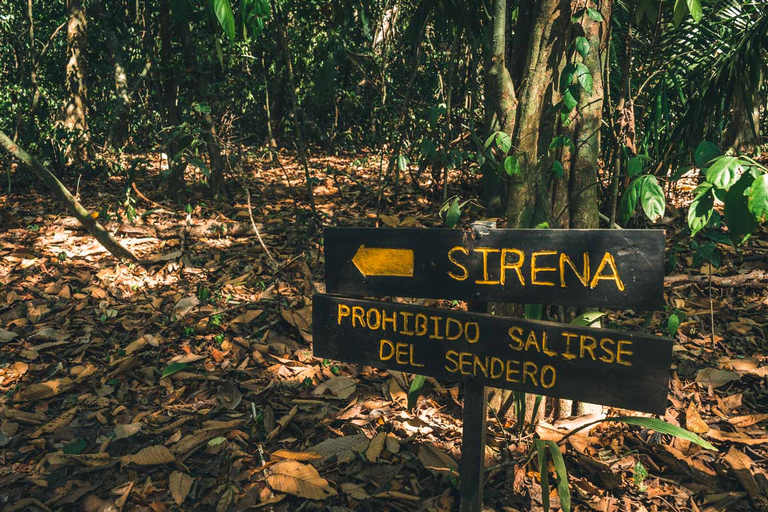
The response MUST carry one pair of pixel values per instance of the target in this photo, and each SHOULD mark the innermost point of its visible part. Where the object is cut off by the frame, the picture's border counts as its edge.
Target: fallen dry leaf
(341, 387)
(150, 456)
(180, 484)
(302, 480)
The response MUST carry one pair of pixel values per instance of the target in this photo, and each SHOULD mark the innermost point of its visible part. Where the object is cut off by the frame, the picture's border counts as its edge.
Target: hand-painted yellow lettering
(400, 350)
(452, 321)
(516, 266)
(476, 328)
(370, 313)
(448, 356)
(496, 363)
(464, 272)
(486, 277)
(550, 353)
(406, 315)
(536, 270)
(620, 352)
(567, 354)
(566, 260)
(609, 356)
(464, 360)
(512, 369)
(358, 314)
(515, 333)
(607, 261)
(421, 324)
(436, 324)
(529, 370)
(532, 341)
(343, 311)
(587, 344)
(385, 320)
(390, 346)
(477, 363)
(550, 379)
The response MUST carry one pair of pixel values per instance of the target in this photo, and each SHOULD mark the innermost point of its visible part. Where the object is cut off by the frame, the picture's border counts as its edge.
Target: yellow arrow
(384, 262)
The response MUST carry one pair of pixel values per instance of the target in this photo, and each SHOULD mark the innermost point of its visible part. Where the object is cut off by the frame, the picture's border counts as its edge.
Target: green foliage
(173, 368)
(648, 193)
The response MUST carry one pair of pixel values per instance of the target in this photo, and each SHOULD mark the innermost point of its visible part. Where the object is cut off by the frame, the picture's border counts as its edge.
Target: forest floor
(187, 382)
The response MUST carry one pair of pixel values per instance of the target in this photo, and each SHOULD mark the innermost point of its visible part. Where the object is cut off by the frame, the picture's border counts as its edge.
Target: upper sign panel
(610, 268)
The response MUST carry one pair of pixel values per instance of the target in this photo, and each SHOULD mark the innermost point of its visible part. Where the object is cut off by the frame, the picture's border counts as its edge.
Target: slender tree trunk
(74, 116)
(73, 205)
(214, 154)
(118, 131)
(315, 220)
(169, 88)
(453, 56)
(743, 132)
(271, 142)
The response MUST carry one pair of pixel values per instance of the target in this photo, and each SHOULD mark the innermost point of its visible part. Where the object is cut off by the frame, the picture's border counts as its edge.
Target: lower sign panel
(599, 366)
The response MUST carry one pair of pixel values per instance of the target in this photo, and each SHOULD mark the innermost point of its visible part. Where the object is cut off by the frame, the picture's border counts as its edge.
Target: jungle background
(169, 166)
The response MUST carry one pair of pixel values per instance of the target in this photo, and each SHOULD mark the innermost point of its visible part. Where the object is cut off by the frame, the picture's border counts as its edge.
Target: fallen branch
(754, 279)
(73, 205)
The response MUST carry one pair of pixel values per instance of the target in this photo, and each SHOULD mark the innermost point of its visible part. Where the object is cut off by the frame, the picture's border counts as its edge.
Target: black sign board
(600, 366)
(609, 268)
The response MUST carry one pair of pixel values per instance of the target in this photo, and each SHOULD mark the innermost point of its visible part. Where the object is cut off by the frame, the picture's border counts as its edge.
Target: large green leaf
(223, 11)
(758, 197)
(582, 46)
(694, 7)
(701, 208)
(562, 476)
(663, 427)
(629, 200)
(453, 214)
(584, 77)
(503, 141)
(541, 452)
(415, 390)
(588, 319)
(566, 77)
(741, 222)
(705, 152)
(635, 166)
(173, 368)
(571, 97)
(652, 198)
(558, 169)
(724, 171)
(511, 165)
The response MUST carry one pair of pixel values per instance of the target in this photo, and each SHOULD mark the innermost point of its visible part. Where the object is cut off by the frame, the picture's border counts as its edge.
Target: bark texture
(74, 113)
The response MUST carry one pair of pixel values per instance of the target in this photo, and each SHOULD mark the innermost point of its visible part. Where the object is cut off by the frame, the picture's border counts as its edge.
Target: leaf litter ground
(188, 383)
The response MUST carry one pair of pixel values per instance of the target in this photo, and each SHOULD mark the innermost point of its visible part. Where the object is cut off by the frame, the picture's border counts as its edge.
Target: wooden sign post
(618, 269)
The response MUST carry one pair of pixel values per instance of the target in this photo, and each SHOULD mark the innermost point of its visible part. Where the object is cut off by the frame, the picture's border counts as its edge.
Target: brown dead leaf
(184, 306)
(392, 443)
(283, 422)
(375, 447)
(437, 461)
(716, 378)
(354, 491)
(337, 446)
(302, 480)
(301, 319)
(299, 456)
(180, 483)
(150, 456)
(43, 390)
(341, 387)
(736, 437)
(739, 464)
(54, 425)
(693, 421)
(747, 420)
(124, 431)
(6, 336)
(247, 317)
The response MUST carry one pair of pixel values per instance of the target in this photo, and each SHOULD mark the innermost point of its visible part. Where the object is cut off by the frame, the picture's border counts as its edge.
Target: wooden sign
(610, 268)
(600, 366)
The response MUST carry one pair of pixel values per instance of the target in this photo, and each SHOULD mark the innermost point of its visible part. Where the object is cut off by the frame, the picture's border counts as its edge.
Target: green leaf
(595, 15)
(453, 214)
(173, 368)
(541, 452)
(402, 162)
(562, 476)
(511, 165)
(681, 9)
(557, 167)
(663, 427)
(571, 97)
(75, 446)
(489, 140)
(582, 46)
(584, 77)
(694, 7)
(701, 208)
(415, 390)
(705, 152)
(629, 200)
(724, 171)
(223, 11)
(652, 198)
(741, 222)
(758, 198)
(566, 77)
(503, 141)
(673, 324)
(533, 311)
(635, 166)
(588, 319)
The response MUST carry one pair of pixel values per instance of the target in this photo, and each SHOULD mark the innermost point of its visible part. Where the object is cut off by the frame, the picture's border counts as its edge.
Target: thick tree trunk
(73, 205)
(74, 116)
(744, 129)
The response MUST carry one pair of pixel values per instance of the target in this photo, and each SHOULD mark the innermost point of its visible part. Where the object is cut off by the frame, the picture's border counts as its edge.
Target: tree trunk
(168, 85)
(118, 131)
(74, 114)
(744, 129)
(73, 205)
